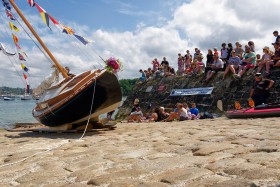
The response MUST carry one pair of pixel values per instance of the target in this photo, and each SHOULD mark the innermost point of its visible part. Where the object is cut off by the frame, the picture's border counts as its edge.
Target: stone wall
(229, 91)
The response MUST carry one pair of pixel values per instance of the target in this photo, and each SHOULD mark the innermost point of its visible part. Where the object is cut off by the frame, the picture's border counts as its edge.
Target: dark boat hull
(257, 112)
(105, 93)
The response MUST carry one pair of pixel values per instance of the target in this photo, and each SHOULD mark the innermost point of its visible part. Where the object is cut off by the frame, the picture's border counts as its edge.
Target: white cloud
(199, 23)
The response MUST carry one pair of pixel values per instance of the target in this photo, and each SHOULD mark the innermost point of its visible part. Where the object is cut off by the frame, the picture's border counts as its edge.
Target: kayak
(260, 111)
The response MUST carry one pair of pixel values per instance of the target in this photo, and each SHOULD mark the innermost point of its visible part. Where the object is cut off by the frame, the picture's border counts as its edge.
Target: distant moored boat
(9, 98)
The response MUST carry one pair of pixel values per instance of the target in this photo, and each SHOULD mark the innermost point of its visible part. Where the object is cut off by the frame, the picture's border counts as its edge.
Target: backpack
(207, 115)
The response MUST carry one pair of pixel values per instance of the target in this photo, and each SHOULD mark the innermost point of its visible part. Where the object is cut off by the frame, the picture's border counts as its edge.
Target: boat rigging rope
(63, 141)
(50, 61)
(93, 94)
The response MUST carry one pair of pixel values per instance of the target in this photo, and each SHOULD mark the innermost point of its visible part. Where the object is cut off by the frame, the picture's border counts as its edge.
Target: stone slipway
(219, 152)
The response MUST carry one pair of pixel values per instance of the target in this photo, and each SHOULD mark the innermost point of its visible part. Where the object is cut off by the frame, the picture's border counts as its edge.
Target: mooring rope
(58, 144)
(93, 94)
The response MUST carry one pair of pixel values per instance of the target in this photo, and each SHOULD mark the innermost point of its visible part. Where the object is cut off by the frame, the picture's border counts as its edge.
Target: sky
(133, 31)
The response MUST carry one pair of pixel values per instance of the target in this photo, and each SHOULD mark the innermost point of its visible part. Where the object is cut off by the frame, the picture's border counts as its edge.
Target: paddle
(220, 105)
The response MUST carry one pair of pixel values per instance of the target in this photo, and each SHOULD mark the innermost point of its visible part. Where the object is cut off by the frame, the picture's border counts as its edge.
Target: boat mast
(60, 68)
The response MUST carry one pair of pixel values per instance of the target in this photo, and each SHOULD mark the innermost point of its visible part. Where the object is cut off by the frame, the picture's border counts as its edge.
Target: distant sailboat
(26, 95)
(77, 98)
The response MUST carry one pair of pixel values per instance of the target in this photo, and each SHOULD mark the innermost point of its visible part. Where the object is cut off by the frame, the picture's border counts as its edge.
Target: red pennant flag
(44, 14)
(25, 76)
(18, 47)
(15, 38)
(53, 20)
(31, 3)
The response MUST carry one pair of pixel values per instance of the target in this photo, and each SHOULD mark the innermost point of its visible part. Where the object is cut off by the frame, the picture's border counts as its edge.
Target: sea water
(20, 111)
(12, 112)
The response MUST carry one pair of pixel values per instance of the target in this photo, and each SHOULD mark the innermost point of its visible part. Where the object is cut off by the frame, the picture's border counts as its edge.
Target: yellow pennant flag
(13, 27)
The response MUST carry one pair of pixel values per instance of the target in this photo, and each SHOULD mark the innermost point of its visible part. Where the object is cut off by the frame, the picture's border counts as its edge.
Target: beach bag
(207, 115)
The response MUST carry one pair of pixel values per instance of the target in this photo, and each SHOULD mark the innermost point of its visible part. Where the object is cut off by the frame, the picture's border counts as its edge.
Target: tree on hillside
(127, 86)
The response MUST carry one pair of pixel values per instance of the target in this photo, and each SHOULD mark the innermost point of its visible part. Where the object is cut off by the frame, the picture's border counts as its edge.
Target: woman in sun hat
(266, 58)
(238, 49)
(233, 64)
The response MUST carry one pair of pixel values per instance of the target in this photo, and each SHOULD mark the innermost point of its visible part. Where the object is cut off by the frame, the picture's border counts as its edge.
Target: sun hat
(266, 48)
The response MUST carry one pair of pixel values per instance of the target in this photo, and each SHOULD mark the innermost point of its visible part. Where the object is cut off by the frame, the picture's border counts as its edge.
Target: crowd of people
(236, 60)
(229, 59)
(181, 112)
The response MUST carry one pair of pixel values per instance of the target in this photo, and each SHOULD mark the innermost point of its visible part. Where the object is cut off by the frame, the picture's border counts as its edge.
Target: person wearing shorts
(248, 62)
(217, 66)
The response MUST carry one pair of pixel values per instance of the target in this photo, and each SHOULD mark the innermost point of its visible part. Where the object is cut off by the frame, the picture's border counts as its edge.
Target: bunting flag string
(13, 27)
(31, 3)
(25, 76)
(21, 57)
(44, 15)
(53, 20)
(18, 47)
(15, 38)
(82, 39)
(10, 15)
(66, 30)
(6, 4)
(21, 54)
(27, 83)
(24, 68)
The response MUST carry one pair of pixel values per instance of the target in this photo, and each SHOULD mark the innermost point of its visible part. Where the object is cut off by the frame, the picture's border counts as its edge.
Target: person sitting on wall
(248, 62)
(143, 75)
(259, 92)
(217, 66)
(233, 64)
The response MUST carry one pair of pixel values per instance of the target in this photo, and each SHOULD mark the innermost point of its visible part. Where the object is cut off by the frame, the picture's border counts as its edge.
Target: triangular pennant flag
(82, 39)
(6, 5)
(18, 47)
(10, 15)
(53, 20)
(25, 76)
(24, 67)
(13, 27)
(15, 38)
(67, 30)
(44, 14)
(31, 3)
(21, 57)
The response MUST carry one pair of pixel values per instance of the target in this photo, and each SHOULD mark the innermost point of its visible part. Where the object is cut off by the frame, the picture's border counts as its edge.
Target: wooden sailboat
(75, 99)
